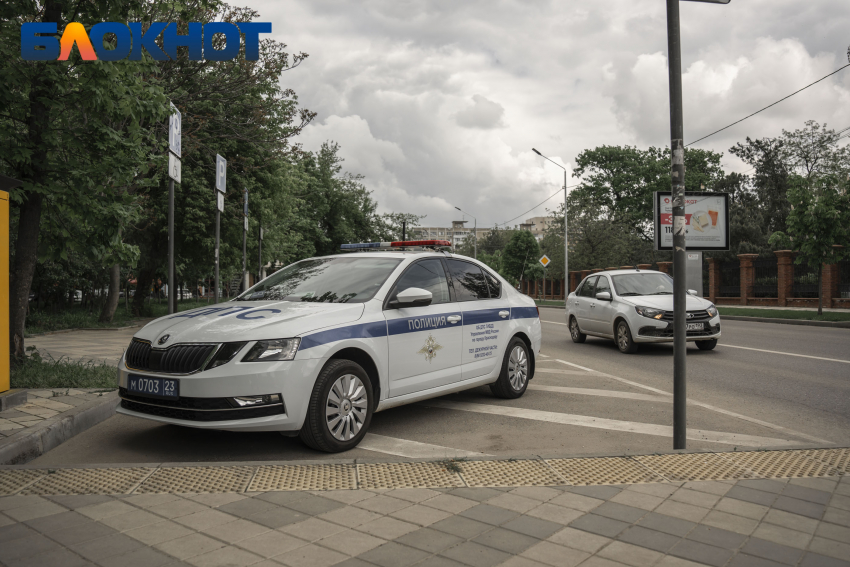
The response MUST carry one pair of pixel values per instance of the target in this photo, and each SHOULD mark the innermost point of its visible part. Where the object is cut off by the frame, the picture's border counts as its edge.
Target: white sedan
(319, 346)
(636, 306)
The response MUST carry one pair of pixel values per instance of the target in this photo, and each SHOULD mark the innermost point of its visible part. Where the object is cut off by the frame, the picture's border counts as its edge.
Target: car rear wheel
(707, 345)
(513, 380)
(624, 339)
(340, 408)
(575, 333)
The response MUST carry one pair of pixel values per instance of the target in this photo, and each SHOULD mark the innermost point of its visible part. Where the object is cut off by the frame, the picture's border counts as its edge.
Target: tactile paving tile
(407, 475)
(88, 481)
(780, 464)
(509, 473)
(839, 459)
(12, 481)
(608, 470)
(695, 466)
(304, 477)
(197, 479)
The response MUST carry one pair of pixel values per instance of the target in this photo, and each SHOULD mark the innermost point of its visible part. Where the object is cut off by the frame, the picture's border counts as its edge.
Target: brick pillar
(596, 270)
(785, 276)
(627, 268)
(713, 279)
(666, 267)
(644, 266)
(747, 276)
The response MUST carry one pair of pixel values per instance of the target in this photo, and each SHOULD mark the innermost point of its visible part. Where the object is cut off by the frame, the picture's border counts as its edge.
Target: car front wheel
(625, 343)
(707, 345)
(340, 408)
(575, 333)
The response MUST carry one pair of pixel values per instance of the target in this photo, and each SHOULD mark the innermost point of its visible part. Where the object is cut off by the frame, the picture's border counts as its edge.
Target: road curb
(27, 445)
(834, 324)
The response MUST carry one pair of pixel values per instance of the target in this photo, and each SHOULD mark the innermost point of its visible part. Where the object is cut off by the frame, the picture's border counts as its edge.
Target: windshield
(325, 280)
(643, 284)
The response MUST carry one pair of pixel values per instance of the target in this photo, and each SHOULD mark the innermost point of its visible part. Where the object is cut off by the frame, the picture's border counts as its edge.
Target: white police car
(319, 346)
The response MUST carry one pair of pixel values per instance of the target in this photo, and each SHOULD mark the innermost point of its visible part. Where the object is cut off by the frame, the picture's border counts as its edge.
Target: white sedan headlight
(274, 349)
(650, 312)
(712, 311)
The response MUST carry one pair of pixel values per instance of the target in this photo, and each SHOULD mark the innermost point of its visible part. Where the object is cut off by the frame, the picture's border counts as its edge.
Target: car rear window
(325, 280)
(469, 282)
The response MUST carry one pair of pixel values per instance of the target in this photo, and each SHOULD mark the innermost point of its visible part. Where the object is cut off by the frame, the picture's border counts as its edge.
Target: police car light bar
(398, 244)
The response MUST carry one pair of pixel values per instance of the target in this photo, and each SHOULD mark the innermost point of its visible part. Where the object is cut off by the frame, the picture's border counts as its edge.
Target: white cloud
(439, 103)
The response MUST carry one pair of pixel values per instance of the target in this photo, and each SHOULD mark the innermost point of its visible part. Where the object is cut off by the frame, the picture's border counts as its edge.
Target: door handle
(592, 305)
(504, 314)
(453, 319)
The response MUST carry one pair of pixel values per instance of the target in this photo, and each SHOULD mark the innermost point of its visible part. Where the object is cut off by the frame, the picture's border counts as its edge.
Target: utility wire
(532, 208)
(768, 106)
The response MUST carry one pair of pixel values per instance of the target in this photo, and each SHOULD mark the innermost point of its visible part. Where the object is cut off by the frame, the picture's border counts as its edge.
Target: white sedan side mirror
(412, 297)
(693, 292)
(603, 296)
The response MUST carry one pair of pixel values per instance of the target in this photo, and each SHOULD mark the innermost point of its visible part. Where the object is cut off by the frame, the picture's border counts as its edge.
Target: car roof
(388, 254)
(621, 272)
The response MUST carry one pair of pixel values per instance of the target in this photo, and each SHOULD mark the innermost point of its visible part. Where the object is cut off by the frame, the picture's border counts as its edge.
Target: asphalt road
(765, 385)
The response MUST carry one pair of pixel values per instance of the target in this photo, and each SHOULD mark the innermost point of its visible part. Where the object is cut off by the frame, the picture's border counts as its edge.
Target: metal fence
(805, 280)
(844, 278)
(730, 279)
(705, 279)
(765, 277)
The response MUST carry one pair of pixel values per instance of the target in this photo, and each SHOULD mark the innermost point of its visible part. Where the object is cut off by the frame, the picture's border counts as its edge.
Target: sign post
(544, 261)
(220, 189)
(260, 254)
(245, 240)
(174, 147)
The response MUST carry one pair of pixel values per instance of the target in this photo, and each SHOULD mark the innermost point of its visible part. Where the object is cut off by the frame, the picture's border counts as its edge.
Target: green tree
(819, 218)
(520, 257)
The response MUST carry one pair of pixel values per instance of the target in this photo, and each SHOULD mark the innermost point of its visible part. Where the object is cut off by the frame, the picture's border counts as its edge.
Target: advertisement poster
(706, 221)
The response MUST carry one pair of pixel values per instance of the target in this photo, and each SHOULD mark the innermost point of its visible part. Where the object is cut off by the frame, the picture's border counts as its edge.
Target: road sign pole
(260, 254)
(217, 244)
(674, 54)
(245, 241)
(172, 288)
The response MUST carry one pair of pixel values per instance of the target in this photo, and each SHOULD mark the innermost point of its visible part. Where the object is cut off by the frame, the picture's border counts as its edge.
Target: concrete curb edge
(55, 431)
(834, 324)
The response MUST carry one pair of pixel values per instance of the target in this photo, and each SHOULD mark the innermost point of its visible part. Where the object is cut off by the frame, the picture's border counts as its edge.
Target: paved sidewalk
(42, 405)
(735, 522)
(97, 346)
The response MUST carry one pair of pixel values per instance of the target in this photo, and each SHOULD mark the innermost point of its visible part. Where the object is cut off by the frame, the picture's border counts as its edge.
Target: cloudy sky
(438, 102)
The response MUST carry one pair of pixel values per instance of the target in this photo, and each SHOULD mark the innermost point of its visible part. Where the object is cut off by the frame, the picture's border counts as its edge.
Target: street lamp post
(566, 238)
(677, 176)
(474, 233)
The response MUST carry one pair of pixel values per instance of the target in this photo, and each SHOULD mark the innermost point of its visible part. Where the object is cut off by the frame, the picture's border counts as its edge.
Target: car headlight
(649, 312)
(274, 349)
(225, 354)
(712, 311)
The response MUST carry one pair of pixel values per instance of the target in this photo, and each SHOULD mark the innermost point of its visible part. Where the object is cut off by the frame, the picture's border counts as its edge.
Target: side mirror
(412, 297)
(603, 296)
(693, 292)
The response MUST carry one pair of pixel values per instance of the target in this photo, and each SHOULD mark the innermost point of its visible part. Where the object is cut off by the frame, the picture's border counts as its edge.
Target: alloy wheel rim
(574, 328)
(517, 368)
(622, 337)
(346, 407)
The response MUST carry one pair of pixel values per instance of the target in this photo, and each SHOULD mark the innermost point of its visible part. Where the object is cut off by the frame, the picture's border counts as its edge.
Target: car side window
(587, 290)
(602, 285)
(468, 279)
(494, 284)
(428, 275)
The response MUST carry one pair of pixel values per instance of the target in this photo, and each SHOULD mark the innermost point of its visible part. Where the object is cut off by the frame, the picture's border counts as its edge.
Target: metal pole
(475, 231)
(244, 241)
(566, 248)
(172, 295)
(674, 54)
(260, 254)
(217, 243)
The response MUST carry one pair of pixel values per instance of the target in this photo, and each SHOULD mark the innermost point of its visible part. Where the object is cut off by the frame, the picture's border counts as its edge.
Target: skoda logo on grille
(163, 339)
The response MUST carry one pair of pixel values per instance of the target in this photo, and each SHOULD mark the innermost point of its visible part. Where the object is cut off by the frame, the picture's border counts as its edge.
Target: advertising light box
(706, 221)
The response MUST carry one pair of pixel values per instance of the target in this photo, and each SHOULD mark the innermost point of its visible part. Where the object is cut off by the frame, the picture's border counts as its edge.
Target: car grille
(693, 316)
(158, 408)
(178, 359)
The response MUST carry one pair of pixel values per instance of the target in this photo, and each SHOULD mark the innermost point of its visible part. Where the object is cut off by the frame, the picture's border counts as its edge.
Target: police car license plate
(153, 387)
(693, 327)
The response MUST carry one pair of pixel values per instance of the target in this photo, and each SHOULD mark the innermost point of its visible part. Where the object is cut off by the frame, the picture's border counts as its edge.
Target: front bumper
(651, 331)
(202, 401)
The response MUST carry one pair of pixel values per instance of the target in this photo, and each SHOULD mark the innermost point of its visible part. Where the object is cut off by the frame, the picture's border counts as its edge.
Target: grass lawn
(549, 302)
(79, 318)
(784, 314)
(37, 373)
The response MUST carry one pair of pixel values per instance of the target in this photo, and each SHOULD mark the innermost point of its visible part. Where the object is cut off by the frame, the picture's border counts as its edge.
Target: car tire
(340, 408)
(516, 367)
(707, 345)
(575, 333)
(623, 338)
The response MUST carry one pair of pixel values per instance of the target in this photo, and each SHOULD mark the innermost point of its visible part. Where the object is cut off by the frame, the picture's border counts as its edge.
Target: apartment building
(455, 234)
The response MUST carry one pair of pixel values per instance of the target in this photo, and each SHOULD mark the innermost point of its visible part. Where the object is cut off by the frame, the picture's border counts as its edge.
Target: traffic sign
(175, 127)
(219, 201)
(220, 173)
(545, 260)
(174, 167)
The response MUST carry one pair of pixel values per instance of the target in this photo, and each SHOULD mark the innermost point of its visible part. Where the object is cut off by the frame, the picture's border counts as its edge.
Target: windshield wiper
(662, 293)
(628, 293)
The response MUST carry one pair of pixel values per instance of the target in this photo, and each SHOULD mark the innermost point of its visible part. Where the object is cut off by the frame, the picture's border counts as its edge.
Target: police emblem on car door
(424, 341)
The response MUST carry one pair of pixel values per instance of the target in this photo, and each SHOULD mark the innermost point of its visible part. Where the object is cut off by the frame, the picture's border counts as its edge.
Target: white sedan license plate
(154, 387)
(693, 327)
